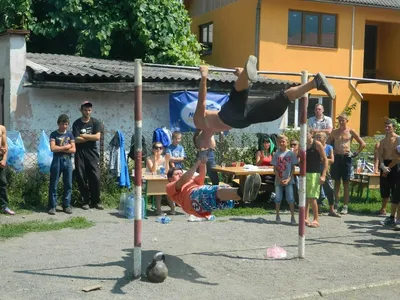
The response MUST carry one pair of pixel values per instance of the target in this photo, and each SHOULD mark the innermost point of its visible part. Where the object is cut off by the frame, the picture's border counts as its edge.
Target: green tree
(156, 31)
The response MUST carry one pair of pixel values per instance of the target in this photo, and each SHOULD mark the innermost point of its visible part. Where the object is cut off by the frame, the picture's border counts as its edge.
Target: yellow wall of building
(388, 60)
(234, 33)
(234, 40)
(378, 109)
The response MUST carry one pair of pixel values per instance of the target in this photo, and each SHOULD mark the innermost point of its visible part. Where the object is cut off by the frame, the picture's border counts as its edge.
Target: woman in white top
(153, 164)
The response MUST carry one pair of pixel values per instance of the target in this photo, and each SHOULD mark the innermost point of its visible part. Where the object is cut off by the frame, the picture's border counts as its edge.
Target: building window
(312, 29)
(293, 112)
(206, 37)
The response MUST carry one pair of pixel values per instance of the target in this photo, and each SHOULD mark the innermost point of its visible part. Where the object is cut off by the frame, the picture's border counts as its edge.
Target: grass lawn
(262, 205)
(19, 229)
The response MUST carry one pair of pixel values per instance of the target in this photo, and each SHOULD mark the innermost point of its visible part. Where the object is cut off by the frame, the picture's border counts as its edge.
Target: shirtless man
(237, 112)
(3, 165)
(341, 168)
(390, 175)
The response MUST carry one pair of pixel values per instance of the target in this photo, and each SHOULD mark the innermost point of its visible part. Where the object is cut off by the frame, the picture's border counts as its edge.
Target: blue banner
(182, 106)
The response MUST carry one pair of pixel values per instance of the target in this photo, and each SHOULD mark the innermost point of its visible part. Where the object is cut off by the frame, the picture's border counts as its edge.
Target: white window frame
(296, 125)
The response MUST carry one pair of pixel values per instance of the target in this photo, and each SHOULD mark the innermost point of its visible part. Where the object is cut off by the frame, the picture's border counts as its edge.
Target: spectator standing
(3, 166)
(86, 131)
(62, 144)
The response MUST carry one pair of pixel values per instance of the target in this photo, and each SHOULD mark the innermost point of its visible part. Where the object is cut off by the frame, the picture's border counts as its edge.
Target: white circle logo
(187, 112)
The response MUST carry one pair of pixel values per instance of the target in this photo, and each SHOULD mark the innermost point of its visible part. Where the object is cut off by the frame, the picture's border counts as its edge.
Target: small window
(312, 29)
(206, 37)
(293, 111)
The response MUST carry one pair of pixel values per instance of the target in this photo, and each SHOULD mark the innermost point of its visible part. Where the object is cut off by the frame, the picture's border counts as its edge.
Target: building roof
(102, 70)
(393, 4)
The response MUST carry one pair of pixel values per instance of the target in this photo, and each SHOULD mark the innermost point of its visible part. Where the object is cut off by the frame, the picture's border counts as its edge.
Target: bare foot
(238, 71)
(204, 71)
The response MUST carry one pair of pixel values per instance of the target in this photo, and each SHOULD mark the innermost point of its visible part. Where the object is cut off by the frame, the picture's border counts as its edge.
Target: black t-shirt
(62, 139)
(91, 127)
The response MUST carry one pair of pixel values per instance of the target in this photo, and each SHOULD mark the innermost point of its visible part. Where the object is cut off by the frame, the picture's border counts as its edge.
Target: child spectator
(176, 151)
(284, 161)
(62, 144)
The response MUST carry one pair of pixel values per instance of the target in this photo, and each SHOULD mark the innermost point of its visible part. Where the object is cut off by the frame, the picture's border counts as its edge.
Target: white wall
(40, 108)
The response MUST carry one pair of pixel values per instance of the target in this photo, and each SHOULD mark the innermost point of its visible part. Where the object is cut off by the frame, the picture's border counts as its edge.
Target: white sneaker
(278, 220)
(344, 210)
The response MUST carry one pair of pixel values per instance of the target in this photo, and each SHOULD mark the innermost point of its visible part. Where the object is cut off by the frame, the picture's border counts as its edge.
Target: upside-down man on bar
(238, 112)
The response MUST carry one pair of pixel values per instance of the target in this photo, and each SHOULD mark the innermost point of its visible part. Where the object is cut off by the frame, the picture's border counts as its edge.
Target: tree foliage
(156, 31)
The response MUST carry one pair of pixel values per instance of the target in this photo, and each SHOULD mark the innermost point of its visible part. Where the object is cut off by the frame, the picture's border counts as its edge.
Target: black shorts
(390, 185)
(341, 168)
(239, 112)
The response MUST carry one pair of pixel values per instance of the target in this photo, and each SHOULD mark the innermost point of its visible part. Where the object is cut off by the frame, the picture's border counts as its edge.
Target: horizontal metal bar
(279, 73)
(358, 79)
(213, 69)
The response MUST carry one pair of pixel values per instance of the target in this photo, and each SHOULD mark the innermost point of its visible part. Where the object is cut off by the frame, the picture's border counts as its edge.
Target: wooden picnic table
(242, 172)
(361, 180)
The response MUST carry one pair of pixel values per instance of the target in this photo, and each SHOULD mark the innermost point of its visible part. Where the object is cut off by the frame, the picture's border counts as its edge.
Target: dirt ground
(223, 259)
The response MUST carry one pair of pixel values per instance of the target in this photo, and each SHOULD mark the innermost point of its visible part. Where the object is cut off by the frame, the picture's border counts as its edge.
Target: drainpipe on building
(257, 33)
(352, 53)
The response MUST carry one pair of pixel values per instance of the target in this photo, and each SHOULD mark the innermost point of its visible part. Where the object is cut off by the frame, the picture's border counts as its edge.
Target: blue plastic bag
(45, 156)
(16, 151)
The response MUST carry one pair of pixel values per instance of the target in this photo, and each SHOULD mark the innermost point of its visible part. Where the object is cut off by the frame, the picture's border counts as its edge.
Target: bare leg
(384, 205)
(346, 195)
(277, 208)
(296, 92)
(158, 205)
(171, 204)
(291, 207)
(200, 111)
(337, 190)
(242, 83)
(315, 209)
(226, 194)
(307, 217)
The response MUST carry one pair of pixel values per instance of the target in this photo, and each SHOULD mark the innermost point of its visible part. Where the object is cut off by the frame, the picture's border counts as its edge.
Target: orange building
(357, 38)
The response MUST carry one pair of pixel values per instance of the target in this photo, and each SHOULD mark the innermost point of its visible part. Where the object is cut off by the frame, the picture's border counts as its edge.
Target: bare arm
(72, 149)
(203, 86)
(55, 148)
(324, 160)
(151, 164)
(258, 158)
(90, 137)
(80, 140)
(359, 140)
(187, 176)
(4, 145)
(376, 158)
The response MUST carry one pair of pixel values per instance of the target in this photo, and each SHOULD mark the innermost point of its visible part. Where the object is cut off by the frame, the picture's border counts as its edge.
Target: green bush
(30, 189)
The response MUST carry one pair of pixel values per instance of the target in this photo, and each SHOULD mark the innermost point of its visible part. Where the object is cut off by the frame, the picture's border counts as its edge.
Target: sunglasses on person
(157, 148)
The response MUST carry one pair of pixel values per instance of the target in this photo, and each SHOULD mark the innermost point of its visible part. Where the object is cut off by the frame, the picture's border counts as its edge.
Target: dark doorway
(2, 101)
(394, 110)
(364, 118)
(370, 49)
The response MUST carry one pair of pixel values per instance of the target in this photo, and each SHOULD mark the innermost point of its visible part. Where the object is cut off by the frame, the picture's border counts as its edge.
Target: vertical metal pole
(303, 148)
(137, 250)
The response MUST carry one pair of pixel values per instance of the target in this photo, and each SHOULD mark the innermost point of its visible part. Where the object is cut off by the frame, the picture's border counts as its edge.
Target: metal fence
(236, 141)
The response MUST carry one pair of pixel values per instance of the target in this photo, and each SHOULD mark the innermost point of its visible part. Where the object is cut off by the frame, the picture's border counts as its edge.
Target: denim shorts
(289, 195)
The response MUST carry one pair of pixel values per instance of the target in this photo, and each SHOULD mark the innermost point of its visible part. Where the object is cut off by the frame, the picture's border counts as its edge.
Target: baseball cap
(86, 103)
(344, 116)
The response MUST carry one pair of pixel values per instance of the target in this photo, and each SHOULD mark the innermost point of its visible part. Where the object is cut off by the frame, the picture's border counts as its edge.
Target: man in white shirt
(320, 122)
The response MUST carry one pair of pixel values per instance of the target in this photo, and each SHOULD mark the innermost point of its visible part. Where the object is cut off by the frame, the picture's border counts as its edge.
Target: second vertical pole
(137, 250)
(303, 148)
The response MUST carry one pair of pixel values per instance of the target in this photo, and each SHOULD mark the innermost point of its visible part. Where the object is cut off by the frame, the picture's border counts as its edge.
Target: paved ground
(348, 258)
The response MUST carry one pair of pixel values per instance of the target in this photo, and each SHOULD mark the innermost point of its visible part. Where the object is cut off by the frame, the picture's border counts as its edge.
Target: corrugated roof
(394, 4)
(68, 65)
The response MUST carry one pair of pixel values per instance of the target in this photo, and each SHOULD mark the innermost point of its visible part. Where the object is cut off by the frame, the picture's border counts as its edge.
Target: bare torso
(342, 140)
(389, 144)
